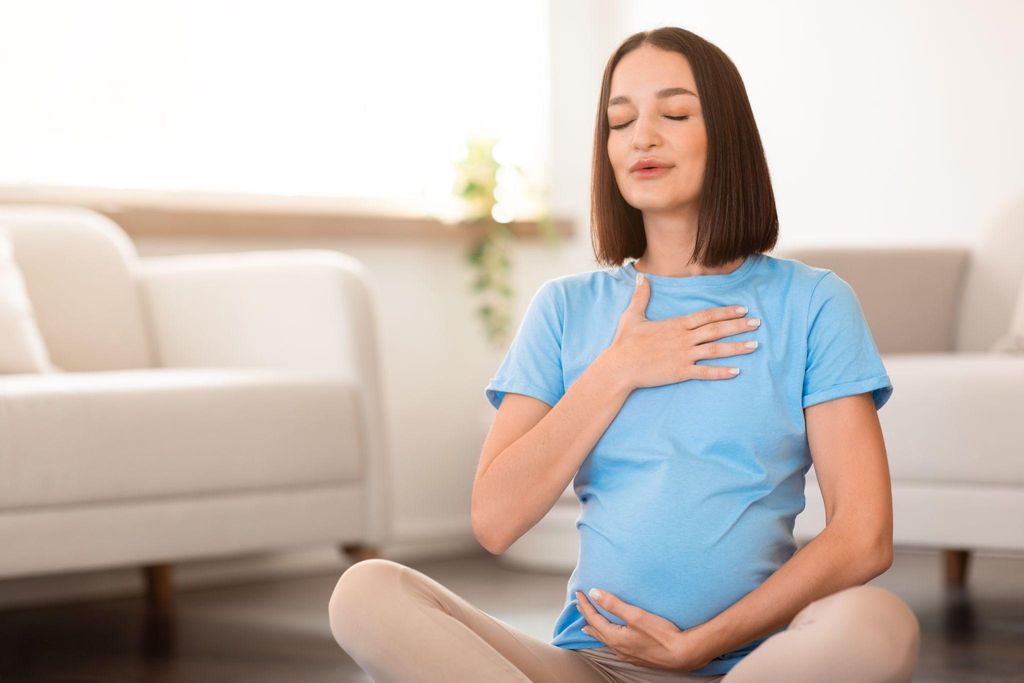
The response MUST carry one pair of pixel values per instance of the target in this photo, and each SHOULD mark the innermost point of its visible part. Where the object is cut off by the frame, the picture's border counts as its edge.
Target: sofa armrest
(309, 310)
(910, 295)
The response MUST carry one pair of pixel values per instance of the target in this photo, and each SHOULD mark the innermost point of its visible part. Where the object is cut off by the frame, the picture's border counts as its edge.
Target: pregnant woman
(685, 390)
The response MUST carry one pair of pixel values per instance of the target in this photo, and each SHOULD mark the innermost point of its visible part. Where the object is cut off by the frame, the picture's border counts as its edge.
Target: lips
(648, 164)
(657, 172)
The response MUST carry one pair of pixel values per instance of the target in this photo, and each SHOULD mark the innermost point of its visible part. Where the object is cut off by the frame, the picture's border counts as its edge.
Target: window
(361, 99)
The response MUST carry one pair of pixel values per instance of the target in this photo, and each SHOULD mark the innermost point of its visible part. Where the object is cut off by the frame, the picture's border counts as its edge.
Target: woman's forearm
(831, 561)
(527, 478)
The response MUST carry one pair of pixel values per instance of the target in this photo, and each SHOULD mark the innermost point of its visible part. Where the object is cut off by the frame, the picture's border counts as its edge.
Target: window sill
(147, 213)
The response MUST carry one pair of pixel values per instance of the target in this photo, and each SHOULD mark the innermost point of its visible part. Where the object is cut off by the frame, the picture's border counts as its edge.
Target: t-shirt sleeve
(842, 358)
(533, 362)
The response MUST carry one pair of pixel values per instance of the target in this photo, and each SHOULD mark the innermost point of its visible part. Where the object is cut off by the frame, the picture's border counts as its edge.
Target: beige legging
(401, 626)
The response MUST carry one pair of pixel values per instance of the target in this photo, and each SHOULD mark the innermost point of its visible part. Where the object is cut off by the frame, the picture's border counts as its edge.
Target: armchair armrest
(308, 310)
(911, 296)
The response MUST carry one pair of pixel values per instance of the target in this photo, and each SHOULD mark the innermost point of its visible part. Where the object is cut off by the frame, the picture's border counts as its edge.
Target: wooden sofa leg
(956, 567)
(357, 551)
(159, 590)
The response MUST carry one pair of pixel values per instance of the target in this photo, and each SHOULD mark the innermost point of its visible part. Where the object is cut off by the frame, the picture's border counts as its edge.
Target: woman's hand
(651, 353)
(647, 639)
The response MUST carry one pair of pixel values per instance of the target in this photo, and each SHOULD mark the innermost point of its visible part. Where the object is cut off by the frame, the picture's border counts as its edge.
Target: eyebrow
(667, 92)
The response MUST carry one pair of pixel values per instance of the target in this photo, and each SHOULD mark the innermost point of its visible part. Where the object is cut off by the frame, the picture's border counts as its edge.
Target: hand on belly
(646, 639)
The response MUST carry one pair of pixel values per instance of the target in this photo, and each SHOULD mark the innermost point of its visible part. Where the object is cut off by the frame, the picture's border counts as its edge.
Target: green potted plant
(479, 187)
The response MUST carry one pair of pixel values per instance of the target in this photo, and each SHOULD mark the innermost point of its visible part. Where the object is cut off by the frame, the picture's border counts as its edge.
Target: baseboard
(125, 582)
(432, 549)
(424, 528)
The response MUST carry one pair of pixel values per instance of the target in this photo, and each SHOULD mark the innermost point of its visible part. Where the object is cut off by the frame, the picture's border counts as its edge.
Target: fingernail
(753, 322)
(741, 309)
(596, 594)
(639, 278)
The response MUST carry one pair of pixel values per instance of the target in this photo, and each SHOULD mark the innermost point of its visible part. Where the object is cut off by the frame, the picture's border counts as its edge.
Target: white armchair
(208, 405)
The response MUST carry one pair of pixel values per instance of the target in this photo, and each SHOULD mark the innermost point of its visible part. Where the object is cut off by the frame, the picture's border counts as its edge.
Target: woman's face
(654, 113)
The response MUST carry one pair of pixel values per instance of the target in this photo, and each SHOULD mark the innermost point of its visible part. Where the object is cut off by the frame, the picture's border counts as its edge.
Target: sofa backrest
(910, 295)
(78, 267)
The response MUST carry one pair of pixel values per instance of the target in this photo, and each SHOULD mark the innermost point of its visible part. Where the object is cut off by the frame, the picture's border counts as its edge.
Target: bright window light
(363, 99)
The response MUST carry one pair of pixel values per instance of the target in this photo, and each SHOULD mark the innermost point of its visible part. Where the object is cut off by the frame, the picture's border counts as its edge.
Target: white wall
(883, 122)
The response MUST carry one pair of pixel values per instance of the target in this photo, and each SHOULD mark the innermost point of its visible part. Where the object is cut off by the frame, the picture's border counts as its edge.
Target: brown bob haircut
(737, 215)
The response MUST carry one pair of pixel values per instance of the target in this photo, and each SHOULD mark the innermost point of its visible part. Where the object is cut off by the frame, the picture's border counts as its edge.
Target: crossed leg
(863, 634)
(401, 626)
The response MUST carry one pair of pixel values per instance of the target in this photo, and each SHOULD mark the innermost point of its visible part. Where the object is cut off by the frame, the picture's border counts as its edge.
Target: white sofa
(208, 405)
(951, 426)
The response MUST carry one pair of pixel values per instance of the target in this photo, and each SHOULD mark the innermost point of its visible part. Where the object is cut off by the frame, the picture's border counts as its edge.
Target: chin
(648, 203)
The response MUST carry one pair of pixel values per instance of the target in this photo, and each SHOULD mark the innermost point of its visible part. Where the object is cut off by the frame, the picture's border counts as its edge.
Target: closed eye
(674, 118)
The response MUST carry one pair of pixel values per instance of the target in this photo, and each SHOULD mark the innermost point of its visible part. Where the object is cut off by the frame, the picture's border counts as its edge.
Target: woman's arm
(533, 451)
(856, 545)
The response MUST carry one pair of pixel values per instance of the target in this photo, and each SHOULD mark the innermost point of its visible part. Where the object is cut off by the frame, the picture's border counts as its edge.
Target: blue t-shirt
(689, 497)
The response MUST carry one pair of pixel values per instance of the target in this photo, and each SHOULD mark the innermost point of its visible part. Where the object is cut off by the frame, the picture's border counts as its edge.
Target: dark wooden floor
(279, 632)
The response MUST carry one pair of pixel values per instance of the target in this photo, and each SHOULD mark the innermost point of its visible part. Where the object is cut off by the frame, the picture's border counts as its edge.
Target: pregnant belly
(686, 568)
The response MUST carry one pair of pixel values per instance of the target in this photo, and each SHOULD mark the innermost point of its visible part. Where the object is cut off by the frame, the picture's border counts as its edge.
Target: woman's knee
(360, 596)
(886, 607)
(895, 630)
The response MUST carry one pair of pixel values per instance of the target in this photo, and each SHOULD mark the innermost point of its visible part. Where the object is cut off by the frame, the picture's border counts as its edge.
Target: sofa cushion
(79, 269)
(1013, 340)
(22, 348)
(88, 437)
(956, 420)
(992, 283)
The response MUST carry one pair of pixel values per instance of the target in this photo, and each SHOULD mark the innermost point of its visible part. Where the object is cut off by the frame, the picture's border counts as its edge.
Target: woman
(689, 474)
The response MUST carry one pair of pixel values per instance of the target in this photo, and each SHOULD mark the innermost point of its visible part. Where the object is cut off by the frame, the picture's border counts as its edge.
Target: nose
(645, 135)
